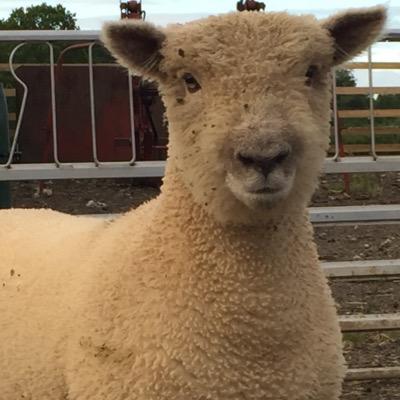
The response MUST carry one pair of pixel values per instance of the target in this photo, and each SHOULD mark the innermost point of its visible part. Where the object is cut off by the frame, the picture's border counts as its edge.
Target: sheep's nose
(261, 163)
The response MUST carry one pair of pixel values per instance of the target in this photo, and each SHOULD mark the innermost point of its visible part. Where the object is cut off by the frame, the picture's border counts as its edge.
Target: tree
(44, 17)
(345, 77)
(38, 17)
(388, 101)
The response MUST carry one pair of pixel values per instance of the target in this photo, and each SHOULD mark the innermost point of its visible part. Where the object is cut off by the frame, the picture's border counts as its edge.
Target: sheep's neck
(206, 232)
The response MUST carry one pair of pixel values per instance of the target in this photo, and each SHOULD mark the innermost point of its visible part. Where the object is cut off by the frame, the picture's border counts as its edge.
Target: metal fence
(58, 170)
(337, 163)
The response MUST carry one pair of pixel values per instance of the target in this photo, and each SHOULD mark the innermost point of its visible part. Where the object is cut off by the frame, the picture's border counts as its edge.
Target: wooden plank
(368, 268)
(380, 148)
(10, 92)
(369, 322)
(393, 112)
(366, 131)
(365, 90)
(366, 148)
(375, 65)
(366, 374)
(4, 67)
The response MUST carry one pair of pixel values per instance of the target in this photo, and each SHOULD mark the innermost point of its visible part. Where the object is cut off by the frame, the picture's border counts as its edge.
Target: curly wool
(194, 295)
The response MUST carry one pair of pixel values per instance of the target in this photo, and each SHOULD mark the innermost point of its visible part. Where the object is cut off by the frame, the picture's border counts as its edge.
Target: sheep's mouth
(256, 195)
(264, 190)
(267, 195)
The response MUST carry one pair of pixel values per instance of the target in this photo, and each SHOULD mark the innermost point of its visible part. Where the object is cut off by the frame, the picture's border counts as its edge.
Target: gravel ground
(371, 390)
(367, 297)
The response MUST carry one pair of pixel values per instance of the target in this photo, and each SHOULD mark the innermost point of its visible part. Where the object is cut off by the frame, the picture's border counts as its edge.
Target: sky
(92, 13)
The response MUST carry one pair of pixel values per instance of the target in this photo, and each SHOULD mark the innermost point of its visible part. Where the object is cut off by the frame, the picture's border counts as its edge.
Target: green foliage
(388, 101)
(41, 17)
(363, 183)
(345, 77)
(362, 102)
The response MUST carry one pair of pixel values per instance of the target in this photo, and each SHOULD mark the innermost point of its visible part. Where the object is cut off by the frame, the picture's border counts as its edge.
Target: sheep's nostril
(245, 160)
(282, 156)
(263, 164)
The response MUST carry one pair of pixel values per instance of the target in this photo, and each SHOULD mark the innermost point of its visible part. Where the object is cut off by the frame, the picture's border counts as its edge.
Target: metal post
(371, 104)
(92, 106)
(336, 156)
(5, 191)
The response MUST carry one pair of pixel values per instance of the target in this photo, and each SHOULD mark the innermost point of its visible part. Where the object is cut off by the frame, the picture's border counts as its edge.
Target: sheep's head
(248, 100)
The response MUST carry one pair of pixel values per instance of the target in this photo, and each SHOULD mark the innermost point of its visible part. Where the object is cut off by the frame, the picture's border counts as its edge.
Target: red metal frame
(131, 9)
(250, 5)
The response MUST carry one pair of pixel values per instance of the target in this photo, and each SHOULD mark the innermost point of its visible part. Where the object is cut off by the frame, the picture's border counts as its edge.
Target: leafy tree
(42, 17)
(388, 101)
(45, 17)
(345, 77)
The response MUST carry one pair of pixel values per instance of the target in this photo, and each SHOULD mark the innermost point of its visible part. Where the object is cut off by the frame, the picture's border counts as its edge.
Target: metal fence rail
(96, 169)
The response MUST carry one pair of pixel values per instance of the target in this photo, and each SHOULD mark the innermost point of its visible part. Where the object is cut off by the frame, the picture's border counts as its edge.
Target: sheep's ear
(136, 45)
(354, 30)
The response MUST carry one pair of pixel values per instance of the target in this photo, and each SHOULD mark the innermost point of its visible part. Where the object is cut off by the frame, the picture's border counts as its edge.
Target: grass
(362, 338)
(365, 184)
(360, 184)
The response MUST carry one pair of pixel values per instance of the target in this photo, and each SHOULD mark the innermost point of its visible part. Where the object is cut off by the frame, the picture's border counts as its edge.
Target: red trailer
(132, 10)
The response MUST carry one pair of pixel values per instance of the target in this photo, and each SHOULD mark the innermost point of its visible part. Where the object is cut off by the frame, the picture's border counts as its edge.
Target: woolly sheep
(212, 290)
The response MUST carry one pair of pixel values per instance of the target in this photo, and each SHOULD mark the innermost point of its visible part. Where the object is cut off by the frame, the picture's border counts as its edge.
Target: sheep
(213, 290)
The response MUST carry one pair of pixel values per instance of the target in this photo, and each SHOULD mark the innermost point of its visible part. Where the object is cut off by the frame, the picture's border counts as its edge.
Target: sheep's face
(248, 101)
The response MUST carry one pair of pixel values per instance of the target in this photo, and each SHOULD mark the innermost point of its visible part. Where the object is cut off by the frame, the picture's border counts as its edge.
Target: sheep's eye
(191, 83)
(310, 74)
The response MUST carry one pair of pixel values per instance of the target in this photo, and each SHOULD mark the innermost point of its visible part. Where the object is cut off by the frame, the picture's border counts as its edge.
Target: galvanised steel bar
(369, 213)
(92, 105)
(22, 108)
(53, 105)
(46, 35)
(335, 117)
(371, 104)
(362, 164)
(391, 35)
(132, 120)
(141, 169)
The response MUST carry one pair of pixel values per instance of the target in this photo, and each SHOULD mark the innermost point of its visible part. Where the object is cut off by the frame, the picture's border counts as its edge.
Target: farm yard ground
(335, 243)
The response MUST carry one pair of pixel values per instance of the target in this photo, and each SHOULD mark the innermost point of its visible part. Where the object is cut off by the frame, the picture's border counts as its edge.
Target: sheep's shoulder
(32, 240)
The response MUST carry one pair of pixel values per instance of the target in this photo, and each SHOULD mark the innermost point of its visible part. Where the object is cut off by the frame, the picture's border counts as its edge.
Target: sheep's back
(42, 252)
